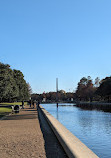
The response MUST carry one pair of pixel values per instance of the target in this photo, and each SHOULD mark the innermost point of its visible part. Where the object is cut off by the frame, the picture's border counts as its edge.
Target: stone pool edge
(73, 147)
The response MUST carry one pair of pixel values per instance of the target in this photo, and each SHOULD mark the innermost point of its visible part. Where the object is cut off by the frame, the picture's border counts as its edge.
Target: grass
(4, 111)
(15, 103)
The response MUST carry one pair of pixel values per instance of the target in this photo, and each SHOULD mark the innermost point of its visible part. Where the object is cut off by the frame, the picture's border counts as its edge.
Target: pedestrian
(30, 103)
(22, 104)
(38, 103)
(33, 104)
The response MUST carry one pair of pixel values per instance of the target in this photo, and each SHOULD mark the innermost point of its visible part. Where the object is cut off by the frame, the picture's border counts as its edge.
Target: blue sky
(46, 39)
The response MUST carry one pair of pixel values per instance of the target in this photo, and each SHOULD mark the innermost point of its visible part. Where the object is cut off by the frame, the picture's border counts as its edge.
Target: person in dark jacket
(22, 104)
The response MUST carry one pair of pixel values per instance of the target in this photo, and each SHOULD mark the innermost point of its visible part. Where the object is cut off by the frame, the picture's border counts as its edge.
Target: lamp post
(57, 91)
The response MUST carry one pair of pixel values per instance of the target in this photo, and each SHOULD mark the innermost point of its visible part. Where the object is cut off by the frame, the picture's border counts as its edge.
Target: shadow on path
(26, 113)
(52, 145)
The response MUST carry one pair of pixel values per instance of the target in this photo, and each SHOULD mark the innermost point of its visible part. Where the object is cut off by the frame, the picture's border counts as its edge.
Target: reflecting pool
(92, 127)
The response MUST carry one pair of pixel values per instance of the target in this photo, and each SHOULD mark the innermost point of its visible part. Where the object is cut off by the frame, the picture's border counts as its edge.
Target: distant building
(44, 100)
(72, 99)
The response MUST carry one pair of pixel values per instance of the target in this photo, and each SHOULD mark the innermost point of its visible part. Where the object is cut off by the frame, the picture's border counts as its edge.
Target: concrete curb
(73, 147)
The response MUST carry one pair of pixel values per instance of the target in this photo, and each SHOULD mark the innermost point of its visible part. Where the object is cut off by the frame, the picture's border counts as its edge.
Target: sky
(49, 39)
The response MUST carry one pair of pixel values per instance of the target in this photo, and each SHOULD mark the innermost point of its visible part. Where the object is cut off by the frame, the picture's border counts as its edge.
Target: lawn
(6, 107)
(4, 111)
(15, 103)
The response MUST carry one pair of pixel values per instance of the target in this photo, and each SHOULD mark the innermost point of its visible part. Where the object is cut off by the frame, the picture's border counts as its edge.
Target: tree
(97, 82)
(85, 89)
(12, 84)
(104, 90)
(29, 89)
(8, 87)
(24, 90)
(81, 88)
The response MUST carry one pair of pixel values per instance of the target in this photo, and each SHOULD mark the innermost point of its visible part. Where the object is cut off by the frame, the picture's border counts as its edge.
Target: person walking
(22, 104)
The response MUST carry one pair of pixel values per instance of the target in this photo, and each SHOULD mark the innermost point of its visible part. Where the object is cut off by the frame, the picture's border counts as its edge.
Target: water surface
(92, 127)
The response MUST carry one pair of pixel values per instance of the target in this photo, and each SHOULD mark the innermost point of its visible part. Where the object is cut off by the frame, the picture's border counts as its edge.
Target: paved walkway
(22, 136)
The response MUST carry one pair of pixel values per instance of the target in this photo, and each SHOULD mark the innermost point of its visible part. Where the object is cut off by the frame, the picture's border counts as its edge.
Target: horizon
(63, 39)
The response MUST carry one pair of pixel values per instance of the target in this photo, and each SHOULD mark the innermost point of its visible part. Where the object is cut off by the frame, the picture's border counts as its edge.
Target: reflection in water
(105, 108)
(92, 127)
(85, 122)
(57, 116)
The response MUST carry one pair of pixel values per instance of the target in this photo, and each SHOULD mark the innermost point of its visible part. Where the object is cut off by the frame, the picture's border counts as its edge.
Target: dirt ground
(23, 136)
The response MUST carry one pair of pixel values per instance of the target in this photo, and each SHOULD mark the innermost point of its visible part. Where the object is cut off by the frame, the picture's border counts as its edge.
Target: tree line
(97, 90)
(52, 96)
(87, 90)
(13, 86)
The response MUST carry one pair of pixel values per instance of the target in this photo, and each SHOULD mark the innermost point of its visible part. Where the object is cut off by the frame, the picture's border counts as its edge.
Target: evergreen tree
(12, 84)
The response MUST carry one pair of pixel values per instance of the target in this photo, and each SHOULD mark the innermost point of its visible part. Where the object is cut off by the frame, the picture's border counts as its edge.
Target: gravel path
(21, 136)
